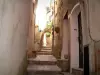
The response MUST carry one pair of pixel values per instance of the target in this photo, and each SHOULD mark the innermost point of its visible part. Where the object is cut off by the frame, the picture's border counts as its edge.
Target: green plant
(49, 25)
(48, 34)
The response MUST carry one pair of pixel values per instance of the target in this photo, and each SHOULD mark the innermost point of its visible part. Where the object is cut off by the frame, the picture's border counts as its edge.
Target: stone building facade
(90, 30)
(58, 22)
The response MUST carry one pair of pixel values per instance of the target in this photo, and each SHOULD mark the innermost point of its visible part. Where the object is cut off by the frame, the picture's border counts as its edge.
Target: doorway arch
(75, 34)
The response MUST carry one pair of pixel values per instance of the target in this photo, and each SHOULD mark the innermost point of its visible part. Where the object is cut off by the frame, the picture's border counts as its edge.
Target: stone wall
(90, 19)
(31, 33)
(14, 22)
(58, 22)
(37, 38)
(65, 40)
(61, 8)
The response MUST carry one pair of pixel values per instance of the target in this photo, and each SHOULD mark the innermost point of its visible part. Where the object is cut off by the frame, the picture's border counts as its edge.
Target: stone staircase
(47, 48)
(45, 51)
(43, 65)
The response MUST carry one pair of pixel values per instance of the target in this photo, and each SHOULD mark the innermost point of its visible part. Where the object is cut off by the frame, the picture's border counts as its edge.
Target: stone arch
(74, 45)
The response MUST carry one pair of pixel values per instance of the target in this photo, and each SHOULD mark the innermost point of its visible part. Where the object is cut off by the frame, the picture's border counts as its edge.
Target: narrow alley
(44, 62)
(49, 37)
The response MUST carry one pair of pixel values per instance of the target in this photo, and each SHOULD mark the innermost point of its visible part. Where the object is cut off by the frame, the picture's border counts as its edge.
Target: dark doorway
(86, 60)
(80, 41)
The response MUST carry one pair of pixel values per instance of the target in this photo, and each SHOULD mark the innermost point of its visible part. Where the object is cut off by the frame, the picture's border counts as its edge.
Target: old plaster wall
(91, 29)
(83, 7)
(14, 21)
(37, 38)
(95, 30)
(65, 8)
(86, 35)
(61, 8)
(65, 39)
(92, 17)
(31, 33)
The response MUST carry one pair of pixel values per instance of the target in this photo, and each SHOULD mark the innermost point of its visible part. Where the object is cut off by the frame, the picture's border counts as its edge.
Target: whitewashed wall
(14, 21)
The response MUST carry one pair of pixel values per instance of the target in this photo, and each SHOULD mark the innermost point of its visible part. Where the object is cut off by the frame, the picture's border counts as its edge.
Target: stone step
(43, 68)
(44, 53)
(43, 64)
(77, 71)
(37, 62)
(44, 50)
(49, 73)
(43, 60)
(44, 73)
(47, 48)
